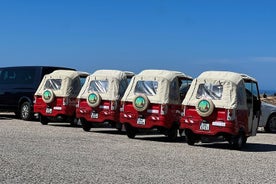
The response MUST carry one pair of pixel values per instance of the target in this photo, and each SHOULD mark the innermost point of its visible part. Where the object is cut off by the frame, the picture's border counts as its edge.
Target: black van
(17, 88)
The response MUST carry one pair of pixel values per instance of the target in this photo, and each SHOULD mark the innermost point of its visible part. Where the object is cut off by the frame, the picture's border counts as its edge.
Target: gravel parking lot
(58, 153)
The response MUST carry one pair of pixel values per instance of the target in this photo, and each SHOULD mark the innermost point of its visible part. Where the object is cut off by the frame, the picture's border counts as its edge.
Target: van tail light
(231, 114)
(163, 109)
(113, 105)
(122, 107)
(65, 101)
(34, 100)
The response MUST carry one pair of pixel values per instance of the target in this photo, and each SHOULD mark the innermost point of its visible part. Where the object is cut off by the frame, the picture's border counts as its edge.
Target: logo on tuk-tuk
(204, 106)
(92, 98)
(47, 94)
(140, 102)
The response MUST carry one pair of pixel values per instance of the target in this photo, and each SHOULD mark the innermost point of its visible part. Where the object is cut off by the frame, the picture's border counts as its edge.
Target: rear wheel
(43, 120)
(238, 141)
(190, 137)
(25, 111)
(172, 133)
(271, 124)
(130, 131)
(85, 125)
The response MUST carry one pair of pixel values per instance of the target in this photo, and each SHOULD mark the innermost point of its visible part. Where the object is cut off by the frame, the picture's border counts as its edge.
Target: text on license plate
(49, 110)
(204, 126)
(94, 115)
(141, 121)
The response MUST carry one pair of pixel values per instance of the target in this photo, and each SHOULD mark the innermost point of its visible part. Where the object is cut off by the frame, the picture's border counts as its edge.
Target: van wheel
(25, 111)
(85, 125)
(172, 133)
(237, 142)
(271, 124)
(43, 120)
(190, 137)
(130, 131)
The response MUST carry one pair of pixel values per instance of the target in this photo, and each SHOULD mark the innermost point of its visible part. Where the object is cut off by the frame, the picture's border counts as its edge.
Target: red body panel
(152, 116)
(104, 112)
(192, 120)
(57, 107)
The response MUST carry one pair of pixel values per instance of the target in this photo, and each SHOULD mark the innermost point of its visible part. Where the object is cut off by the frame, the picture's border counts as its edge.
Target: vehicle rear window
(146, 87)
(54, 84)
(209, 90)
(100, 86)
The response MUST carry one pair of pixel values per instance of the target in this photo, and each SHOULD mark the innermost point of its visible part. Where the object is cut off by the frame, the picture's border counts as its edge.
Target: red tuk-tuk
(221, 105)
(153, 101)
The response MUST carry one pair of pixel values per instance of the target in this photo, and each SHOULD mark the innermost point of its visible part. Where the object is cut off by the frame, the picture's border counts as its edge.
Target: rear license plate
(49, 110)
(204, 126)
(94, 115)
(141, 121)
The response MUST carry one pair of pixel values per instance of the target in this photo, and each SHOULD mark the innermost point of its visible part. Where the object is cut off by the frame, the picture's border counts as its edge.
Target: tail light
(122, 108)
(113, 105)
(164, 109)
(65, 101)
(231, 114)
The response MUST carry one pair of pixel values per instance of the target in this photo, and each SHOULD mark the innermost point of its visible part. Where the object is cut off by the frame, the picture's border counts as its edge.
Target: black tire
(172, 133)
(43, 120)
(190, 137)
(271, 124)
(73, 121)
(237, 142)
(25, 111)
(85, 125)
(130, 131)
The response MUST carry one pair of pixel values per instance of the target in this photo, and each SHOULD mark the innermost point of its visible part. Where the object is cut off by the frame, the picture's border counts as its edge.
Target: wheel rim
(25, 111)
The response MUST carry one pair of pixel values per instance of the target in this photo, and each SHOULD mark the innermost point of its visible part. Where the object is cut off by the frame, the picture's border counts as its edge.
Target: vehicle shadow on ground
(249, 147)
(7, 116)
(109, 131)
(66, 125)
(162, 138)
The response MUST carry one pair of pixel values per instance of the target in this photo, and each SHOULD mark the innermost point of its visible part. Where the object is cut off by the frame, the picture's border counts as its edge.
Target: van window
(146, 87)
(100, 86)
(17, 76)
(209, 90)
(54, 84)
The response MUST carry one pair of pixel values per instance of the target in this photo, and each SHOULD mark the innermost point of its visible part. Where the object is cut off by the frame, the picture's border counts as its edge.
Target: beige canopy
(233, 89)
(63, 83)
(106, 83)
(163, 80)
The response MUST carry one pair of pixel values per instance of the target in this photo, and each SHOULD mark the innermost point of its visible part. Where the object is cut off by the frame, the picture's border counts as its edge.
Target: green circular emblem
(204, 106)
(47, 95)
(140, 102)
(92, 98)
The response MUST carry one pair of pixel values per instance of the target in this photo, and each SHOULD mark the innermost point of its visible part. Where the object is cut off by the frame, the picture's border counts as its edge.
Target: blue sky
(188, 36)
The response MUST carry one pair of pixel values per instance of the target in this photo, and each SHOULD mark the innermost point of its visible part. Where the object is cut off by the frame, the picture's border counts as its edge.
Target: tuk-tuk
(99, 98)
(56, 96)
(221, 105)
(153, 101)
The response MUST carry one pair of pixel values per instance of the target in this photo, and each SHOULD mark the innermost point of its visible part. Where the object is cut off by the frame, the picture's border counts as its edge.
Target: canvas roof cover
(233, 93)
(114, 77)
(164, 79)
(64, 83)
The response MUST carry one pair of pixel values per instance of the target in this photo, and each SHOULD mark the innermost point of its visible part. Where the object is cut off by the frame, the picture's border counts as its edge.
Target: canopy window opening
(209, 90)
(148, 88)
(100, 86)
(54, 84)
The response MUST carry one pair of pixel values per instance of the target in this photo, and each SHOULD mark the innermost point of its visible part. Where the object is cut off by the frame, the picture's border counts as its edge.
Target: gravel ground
(58, 153)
